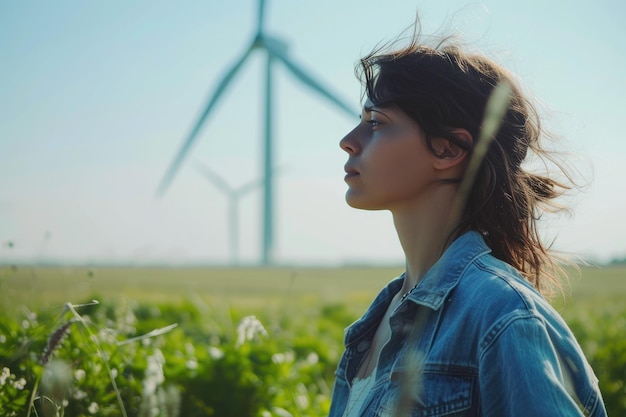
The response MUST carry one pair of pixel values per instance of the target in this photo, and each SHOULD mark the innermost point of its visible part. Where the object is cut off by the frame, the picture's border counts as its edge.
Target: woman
(465, 330)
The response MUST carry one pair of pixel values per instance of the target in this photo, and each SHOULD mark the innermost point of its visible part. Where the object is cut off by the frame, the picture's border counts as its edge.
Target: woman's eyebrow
(371, 108)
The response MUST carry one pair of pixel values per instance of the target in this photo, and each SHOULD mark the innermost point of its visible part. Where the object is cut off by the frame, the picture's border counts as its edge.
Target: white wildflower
(154, 373)
(79, 374)
(250, 328)
(286, 357)
(312, 358)
(215, 353)
(19, 384)
(129, 321)
(93, 408)
(192, 361)
(301, 397)
(152, 385)
(302, 401)
(79, 394)
(281, 412)
(107, 335)
(6, 373)
(30, 317)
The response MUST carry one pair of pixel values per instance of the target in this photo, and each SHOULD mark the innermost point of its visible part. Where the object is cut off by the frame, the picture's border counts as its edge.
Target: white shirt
(358, 393)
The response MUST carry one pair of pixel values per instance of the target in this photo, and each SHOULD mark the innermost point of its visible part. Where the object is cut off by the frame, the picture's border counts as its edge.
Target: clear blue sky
(96, 98)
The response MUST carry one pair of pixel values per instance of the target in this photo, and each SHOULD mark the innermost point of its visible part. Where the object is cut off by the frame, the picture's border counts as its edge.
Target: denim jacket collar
(431, 291)
(444, 275)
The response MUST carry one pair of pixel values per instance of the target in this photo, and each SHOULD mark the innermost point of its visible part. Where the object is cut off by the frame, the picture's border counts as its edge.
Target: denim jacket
(473, 339)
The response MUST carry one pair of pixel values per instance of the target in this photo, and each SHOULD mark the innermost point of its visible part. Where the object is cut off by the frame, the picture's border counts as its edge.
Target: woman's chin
(358, 202)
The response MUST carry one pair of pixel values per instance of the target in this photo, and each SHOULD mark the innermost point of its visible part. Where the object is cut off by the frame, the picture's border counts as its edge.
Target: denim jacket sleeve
(527, 376)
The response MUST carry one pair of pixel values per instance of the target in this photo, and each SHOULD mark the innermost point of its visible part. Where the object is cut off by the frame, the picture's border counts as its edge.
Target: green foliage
(147, 359)
(107, 359)
(13, 395)
(601, 336)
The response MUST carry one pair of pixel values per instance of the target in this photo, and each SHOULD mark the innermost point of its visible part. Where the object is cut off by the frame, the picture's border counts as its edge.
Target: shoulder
(495, 296)
(503, 312)
(498, 285)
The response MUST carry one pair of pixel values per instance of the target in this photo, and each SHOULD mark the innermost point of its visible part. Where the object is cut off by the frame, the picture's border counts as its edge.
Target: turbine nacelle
(272, 44)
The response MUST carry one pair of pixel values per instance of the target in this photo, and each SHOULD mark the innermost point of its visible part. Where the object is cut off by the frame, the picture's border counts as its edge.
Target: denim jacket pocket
(439, 391)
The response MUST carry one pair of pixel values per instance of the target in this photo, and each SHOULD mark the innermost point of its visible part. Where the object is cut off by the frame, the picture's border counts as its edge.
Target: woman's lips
(350, 173)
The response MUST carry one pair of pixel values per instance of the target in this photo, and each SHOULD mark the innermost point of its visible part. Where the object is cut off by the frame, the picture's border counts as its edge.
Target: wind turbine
(233, 195)
(275, 51)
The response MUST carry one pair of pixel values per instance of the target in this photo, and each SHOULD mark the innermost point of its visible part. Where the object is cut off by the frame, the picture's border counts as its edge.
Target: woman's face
(389, 164)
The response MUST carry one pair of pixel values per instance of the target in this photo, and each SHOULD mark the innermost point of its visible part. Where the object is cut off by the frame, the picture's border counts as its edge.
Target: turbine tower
(234, 195)
(275, 50)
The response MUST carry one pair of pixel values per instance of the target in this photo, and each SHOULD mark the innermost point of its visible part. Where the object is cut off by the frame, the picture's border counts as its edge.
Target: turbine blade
(246, 188)
(187, 144)
(214, 177)
(250, 186)
(308, 80)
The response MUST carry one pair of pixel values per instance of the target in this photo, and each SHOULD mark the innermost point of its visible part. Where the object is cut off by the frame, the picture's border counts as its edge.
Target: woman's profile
(466, 330)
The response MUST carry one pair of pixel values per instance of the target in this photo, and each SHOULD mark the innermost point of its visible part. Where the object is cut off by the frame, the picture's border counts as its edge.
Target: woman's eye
(373, 122)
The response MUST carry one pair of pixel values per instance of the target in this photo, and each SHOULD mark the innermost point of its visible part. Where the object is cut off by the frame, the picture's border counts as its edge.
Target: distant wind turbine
(275, 50)
(233, 195)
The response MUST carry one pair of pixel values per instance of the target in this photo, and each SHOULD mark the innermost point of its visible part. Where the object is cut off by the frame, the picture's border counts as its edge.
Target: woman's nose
(349, 143)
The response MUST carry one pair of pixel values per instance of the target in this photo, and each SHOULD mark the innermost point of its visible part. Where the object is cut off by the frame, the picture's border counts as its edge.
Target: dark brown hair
(443, 88)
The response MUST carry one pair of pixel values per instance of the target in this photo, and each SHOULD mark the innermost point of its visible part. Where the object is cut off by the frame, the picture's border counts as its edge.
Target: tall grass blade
(497, 106)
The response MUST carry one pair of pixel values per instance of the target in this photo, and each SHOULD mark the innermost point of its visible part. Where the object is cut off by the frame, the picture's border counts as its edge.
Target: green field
(250, 288)
(286, 371)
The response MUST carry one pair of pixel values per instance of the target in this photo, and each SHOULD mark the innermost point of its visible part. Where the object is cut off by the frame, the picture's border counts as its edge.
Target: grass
(249, 288)
(246, 288)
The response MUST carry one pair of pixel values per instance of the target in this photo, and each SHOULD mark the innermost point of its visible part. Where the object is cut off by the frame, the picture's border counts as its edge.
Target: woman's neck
(423, 229)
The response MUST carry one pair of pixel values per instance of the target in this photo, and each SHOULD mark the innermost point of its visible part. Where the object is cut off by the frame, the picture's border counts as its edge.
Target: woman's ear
(449, 154)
